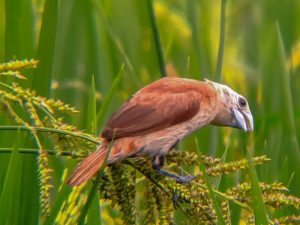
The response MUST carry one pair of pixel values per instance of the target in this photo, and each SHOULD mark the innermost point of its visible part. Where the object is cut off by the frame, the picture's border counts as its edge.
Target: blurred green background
(76, 40)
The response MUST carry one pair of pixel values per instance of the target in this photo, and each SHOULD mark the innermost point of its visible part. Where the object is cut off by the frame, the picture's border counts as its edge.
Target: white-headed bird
(160, 115)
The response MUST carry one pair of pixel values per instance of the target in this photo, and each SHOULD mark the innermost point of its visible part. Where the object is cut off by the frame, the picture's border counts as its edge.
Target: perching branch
(53, 130)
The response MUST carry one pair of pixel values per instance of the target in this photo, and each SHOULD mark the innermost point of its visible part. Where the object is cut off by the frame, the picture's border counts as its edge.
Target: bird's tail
(88, 167)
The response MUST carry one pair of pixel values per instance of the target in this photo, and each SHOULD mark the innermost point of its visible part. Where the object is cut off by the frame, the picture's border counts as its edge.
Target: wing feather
(155, 107)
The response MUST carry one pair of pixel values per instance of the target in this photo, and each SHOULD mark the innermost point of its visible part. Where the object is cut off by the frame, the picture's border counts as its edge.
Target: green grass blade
(287, 117)
(94, 215)
(259, 208)
(108, 98)
(118, 45)
(287, 109)
(10, 194)
(19, 29)
(51, 130)
(19, 43)
(94, 189)
(158, 46)
(217, 180)
(92, 110)
(200, 37)
(211, 193)
(286, 92)
(41, 80)
(58, 201)
(92, 198)
(45, 53)
(214, 132)
(221, 41)
(18, 202)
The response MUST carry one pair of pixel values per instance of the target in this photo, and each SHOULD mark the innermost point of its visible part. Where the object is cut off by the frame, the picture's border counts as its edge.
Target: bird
(158, 116)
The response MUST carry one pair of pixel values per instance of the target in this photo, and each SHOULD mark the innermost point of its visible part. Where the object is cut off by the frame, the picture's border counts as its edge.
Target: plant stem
(221, 41)
(36, 151)
(218, 75)
(157, 41)
(107, 99)
(210, 192)
(94, 188)
(52, 130)
(258, 204)
(90, 198)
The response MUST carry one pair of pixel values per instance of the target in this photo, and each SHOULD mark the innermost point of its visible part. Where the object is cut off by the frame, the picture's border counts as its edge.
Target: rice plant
(67, 65)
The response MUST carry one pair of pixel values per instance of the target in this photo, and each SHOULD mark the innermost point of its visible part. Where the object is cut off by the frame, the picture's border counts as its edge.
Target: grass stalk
(211, 194)
(259, 208)
(218, 74)
(43, 73)
(35, 151)
(94, 189)
(287, 97)
(94, 214)
(158, 46)
(221, 41)
(51, 130)
(107, 100)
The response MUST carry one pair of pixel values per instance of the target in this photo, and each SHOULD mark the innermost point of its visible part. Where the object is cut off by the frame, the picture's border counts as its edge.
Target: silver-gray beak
(243, 120)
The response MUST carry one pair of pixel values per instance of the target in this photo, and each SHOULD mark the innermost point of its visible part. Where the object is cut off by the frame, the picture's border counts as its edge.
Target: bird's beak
(243, 120)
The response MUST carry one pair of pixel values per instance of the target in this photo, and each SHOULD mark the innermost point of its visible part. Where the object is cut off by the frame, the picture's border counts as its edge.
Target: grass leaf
(108, 98)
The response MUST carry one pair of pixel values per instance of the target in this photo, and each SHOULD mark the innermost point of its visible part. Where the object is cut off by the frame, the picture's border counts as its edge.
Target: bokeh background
(77, 41)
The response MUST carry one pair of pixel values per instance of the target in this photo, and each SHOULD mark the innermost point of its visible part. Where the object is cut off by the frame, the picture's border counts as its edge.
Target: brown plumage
(161, 114)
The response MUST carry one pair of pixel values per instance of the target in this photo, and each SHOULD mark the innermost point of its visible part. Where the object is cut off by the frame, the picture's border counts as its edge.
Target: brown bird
(158, 116)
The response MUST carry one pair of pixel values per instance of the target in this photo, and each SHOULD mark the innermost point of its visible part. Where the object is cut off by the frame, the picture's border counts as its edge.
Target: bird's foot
(185, 179)
(158, 163)
(178, 178)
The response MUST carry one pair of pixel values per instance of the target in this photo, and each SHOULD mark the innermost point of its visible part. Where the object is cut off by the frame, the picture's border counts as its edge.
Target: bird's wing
(152, 109)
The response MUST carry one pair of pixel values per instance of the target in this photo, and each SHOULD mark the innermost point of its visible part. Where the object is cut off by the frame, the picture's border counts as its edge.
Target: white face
(235, 110)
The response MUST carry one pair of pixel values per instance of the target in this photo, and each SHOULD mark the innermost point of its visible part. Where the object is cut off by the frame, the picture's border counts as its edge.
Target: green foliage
(31, 111)
(163, 196)
(253, 46)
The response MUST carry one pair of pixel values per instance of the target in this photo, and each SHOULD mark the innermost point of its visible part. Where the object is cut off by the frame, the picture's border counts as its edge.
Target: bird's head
(233, 109)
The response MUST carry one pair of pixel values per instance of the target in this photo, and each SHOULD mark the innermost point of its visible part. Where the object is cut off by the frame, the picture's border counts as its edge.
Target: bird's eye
(242, 102)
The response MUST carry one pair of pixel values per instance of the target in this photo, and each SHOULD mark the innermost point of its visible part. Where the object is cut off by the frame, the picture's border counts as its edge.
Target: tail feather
(88, 167)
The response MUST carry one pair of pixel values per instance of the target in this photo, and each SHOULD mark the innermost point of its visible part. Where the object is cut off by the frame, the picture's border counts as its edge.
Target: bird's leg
(158, 163)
